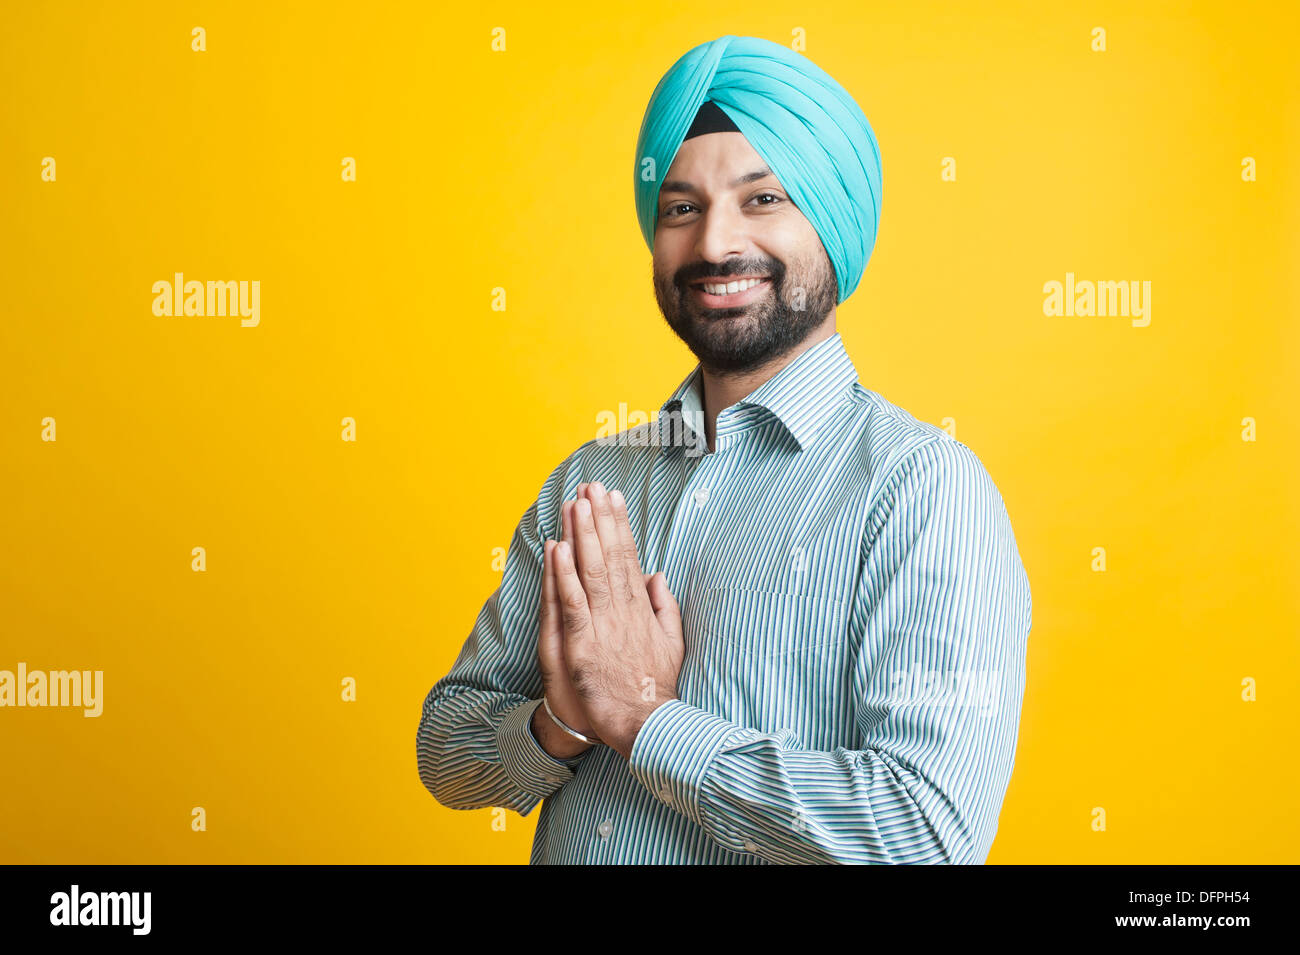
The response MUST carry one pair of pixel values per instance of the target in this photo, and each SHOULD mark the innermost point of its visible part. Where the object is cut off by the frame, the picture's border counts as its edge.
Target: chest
(764, 572)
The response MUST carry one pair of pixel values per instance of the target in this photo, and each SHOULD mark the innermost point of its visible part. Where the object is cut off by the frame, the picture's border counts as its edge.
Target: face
(724, 218)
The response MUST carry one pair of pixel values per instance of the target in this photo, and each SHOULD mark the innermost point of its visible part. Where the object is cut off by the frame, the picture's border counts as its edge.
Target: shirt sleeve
(942, 608)
(475, 746)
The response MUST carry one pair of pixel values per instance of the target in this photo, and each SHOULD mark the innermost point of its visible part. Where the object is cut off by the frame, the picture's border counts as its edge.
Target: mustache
(688, 274)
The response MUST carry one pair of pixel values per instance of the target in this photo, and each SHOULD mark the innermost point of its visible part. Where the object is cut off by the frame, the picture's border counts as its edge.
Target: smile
(720, 294)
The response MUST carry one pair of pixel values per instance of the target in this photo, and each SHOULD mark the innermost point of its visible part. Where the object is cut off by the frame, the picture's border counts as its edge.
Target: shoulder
(911, 457)
(889, 431)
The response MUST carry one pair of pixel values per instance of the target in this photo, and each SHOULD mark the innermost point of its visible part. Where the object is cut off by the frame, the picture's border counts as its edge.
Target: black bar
(435, 905)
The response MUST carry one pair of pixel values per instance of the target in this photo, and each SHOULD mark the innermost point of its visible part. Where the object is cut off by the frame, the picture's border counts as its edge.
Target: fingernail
(617, 497)
(598, 487)
(584, 507)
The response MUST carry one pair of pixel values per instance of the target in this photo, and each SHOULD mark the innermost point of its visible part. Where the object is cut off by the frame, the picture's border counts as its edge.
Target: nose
(723, 233)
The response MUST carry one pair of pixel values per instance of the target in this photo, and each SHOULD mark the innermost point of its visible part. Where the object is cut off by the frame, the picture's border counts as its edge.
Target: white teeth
(731, 288)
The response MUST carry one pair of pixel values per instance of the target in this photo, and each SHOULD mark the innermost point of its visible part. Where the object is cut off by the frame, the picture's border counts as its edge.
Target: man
(786, 622)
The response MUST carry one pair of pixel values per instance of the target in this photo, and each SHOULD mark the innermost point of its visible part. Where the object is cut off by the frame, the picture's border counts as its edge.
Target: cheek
(792, 241)
(804, 253)
(666, 262)
(671, 247)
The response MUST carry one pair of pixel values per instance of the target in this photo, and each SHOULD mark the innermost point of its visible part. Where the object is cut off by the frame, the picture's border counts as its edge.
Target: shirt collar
(801, 395)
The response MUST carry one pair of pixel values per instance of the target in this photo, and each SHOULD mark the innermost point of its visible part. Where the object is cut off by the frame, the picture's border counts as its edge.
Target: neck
(722, 390)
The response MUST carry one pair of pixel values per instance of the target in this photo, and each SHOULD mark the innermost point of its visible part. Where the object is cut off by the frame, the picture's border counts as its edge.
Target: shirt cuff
(570, 761)
(672, 752)
(530, 767)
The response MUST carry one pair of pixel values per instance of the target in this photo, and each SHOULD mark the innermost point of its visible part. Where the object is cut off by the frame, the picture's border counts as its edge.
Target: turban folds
(810, 131)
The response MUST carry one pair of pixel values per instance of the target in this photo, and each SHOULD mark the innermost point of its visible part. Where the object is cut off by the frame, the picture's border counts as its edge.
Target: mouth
(729, 292)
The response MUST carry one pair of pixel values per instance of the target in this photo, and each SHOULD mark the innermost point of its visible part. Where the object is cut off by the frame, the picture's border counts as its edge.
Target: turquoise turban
(810, 131)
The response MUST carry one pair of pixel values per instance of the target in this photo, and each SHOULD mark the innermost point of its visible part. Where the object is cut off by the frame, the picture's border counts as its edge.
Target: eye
(670, 213)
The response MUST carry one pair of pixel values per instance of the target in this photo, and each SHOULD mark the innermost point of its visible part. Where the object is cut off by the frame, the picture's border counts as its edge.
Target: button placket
(668, 547)
(694, 500)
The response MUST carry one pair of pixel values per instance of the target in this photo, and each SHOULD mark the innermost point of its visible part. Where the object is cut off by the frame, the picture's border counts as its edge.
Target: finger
(590, 561)
(574, 611)
(549, 615)
(665, 606)
(619, 564)
(567, 511)
(550, 630)
(626, 539)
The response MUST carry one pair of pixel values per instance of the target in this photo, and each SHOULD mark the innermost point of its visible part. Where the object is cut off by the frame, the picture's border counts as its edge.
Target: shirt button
(750, 847)
(605, 828)
(666, 794)
(701, 496)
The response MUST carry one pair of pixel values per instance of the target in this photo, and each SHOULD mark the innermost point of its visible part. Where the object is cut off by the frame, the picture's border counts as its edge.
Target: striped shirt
(855, 614)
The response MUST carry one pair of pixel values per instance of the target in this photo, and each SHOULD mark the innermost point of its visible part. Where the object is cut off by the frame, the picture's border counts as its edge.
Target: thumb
(664, 605)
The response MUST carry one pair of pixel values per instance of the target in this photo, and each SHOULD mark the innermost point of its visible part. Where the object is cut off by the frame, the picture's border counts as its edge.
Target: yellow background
(478, 169)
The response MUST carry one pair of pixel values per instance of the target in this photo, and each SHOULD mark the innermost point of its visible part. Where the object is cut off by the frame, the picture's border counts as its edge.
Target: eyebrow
(681, 185)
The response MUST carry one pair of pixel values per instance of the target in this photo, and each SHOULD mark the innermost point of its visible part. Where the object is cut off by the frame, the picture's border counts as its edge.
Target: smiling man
(806, 645)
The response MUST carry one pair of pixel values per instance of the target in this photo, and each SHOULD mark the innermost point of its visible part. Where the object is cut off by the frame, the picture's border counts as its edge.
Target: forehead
(713, 161)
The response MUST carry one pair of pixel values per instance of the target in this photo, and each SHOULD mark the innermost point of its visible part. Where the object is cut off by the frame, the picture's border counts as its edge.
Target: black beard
(729, 341)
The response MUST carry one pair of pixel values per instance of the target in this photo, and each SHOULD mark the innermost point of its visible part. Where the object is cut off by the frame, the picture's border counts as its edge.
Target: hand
(556, 685)
(623, 643)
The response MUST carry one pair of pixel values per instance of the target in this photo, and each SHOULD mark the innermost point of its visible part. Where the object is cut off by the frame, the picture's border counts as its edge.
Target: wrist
(627, 738)
(557, 743)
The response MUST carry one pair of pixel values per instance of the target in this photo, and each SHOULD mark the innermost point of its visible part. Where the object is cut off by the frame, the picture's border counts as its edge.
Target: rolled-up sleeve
(941, 616)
